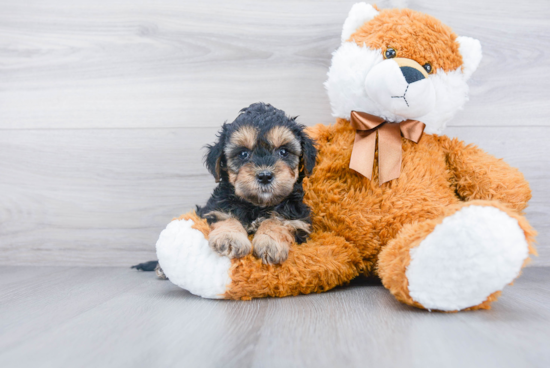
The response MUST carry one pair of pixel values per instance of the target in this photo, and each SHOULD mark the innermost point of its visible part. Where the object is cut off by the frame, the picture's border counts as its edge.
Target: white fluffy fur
(345, 86)
(189, 262)
(358, 15)
(385, 83)
(351, 64)
(470, 49)
(346, 79)
(470, 255)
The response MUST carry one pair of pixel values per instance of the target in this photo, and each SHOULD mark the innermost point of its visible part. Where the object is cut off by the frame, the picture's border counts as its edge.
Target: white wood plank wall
(105, 105)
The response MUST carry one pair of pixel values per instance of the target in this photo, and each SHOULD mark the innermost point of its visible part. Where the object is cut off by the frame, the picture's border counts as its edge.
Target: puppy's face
(262, 156)
(263, 164)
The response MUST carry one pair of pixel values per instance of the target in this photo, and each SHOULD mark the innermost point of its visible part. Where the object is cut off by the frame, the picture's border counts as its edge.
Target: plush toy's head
(400, 64)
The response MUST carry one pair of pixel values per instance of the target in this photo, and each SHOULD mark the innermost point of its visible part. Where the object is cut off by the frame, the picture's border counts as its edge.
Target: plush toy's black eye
(428, 67)
(390, 53)
(283, 152)
(244, 155)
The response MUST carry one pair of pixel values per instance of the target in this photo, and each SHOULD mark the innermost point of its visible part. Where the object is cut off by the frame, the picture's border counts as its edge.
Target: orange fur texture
(395, 257)
(355, 218)
(361, 227)
(397, 28)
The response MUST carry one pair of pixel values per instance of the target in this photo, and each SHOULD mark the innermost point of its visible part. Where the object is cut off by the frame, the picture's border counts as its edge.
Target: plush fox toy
(439, 221)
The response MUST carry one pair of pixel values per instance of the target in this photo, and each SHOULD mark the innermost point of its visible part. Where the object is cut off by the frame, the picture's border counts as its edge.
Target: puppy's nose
(411, 74)
(265, 177)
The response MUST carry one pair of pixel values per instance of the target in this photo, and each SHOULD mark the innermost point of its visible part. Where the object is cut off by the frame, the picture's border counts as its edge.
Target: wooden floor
(117, 317)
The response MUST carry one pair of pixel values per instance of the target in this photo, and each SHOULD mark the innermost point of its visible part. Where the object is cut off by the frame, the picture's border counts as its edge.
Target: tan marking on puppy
(246, 185)
(272, 241)
(229, 238)
(280, 135)
(296, 225)
(253, 227)
(293, 225)
(219, 215)
(232, 177)
(244, 137)
(248, 188)
(285, 177)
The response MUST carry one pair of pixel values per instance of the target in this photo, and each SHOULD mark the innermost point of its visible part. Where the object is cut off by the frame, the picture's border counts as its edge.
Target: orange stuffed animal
(439, 221)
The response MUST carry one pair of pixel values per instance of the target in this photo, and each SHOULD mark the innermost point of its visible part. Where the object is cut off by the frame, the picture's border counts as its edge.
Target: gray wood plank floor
(115, 317)
(105, 105)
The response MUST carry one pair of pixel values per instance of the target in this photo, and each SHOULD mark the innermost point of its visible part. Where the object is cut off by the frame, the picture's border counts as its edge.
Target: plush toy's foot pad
(472, 254)
(188, 261)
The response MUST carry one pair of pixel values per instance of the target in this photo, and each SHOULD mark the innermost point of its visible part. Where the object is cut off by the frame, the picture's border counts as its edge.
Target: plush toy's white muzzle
(359, 79)
(401, 87)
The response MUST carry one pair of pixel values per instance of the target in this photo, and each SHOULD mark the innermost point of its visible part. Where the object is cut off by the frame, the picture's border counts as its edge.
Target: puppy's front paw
(269, 250)
(230, 244)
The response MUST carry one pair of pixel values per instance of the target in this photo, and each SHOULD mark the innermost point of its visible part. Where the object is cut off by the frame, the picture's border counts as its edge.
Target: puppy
(259, 162)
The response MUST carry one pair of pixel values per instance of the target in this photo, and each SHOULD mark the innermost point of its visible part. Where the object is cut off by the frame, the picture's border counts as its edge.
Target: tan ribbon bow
(389, 144)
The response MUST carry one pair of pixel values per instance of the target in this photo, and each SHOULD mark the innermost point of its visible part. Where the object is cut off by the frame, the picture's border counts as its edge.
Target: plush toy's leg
(324, 262)
(459, 261)
(187, 260)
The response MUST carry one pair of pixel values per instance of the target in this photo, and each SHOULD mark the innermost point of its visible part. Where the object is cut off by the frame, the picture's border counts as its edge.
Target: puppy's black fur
(263, 117)
(225, 159)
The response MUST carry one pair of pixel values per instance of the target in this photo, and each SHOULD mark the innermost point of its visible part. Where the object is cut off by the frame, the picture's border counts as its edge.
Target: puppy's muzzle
(264, 177)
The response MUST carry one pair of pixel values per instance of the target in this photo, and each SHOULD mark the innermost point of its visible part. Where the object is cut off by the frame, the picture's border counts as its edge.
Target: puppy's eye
(428, 68)
(244, 155)
(390, 53)
(283, 152)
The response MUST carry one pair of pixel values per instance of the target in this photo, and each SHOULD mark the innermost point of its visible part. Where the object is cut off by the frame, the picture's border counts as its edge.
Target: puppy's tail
(151, 266)
(146, 266)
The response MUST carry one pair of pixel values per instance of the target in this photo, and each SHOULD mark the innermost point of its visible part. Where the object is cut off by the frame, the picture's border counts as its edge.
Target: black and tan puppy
(260, 160)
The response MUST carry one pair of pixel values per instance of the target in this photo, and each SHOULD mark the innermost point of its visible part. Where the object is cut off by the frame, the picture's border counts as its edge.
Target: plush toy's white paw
(189, 262)
(470, 255)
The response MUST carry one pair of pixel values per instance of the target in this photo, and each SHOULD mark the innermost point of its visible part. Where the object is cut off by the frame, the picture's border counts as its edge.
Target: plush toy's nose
(411, 70)
(390, 85)
(411, 74)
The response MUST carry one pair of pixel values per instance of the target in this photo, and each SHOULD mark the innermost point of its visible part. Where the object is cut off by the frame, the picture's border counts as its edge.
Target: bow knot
(368, 127)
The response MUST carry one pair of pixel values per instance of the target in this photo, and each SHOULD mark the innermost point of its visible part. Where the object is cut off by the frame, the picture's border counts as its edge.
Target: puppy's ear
(309, 154)
(215, 159)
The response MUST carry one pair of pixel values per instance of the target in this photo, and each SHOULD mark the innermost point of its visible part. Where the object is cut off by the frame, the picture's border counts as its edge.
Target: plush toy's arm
(478, 175)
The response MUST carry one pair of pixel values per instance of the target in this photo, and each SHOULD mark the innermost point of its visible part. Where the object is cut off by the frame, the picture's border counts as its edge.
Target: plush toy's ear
(215, 158)
(470, 49)
(358, 15)
(309, 154)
